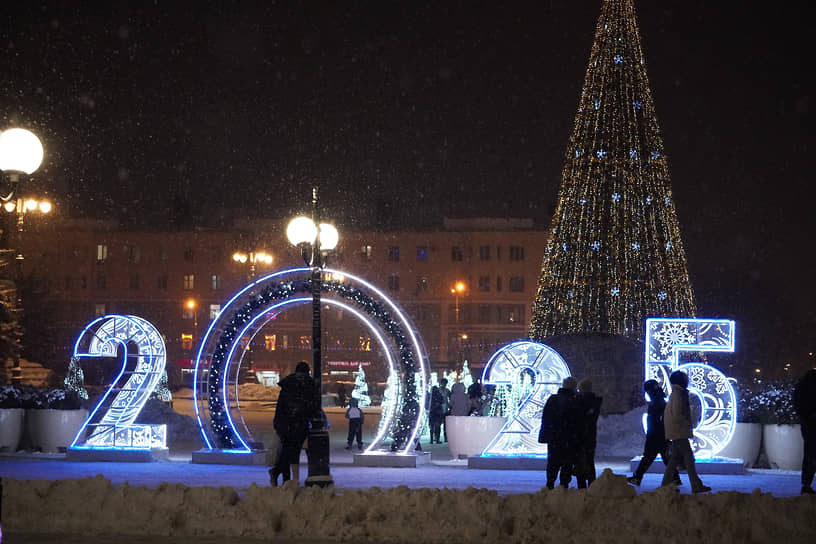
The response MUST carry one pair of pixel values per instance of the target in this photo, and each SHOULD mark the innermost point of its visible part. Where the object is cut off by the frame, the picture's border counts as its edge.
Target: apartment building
(180, 280)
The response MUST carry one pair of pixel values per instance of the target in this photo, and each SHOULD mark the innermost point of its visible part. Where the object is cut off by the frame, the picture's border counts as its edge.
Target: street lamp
(21, 153)
(458, 289)
(192, 306)
(314, 244)
(253, 257)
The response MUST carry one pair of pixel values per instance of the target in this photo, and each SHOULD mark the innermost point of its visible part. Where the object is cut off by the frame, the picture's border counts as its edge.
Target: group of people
(456, 402)
(569, 425)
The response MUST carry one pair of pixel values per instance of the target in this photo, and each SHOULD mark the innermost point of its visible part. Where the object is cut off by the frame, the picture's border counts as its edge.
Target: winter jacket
(589, 408)
(439, 402)
(559, 420)
(459, 403)
(297, 407)
(677, 415)
(354, 412)
(655, 432)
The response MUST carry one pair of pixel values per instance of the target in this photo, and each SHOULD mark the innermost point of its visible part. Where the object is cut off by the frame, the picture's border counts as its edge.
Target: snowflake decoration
(633, 154)
(597, 104)
(662, 295)
(718, 381)
(635, 246)
(672, 334)
(596, 245)
(577, 153)
(615, 291)
(618, 59)
(648, 200)
(697, 379)
(564, 246)
(569, 294)
(616, 197)
(668, 246)
(637, 105)
(601, 154)
(667, 201)
(582, 201)
(655, 155)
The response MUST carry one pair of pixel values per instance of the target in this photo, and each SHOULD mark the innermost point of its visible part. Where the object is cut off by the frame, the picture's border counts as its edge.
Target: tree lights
(615, 255)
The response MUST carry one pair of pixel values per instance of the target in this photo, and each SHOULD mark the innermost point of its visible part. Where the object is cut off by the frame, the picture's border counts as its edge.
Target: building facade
(180, 280)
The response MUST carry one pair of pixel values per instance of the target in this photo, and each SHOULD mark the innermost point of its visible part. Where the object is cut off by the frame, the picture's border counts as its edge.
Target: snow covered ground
(47, 499)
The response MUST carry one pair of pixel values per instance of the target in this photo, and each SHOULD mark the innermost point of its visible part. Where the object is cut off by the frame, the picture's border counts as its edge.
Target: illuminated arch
(519, 435)
(249, 310)
(125, 397)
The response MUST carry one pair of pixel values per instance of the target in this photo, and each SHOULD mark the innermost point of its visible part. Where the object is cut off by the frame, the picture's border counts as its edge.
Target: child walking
(355, 416)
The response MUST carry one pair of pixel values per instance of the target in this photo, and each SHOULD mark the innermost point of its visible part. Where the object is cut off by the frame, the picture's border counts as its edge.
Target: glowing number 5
(665, 339)
(546, 370)
(130, 390)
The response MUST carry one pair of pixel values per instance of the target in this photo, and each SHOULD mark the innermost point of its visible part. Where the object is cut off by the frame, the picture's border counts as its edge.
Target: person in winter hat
(558, 431)
(804, 400)
(656, 442)
(297, 407)
(678, 426)
(588, 406)
(356, 417)
(459, 403)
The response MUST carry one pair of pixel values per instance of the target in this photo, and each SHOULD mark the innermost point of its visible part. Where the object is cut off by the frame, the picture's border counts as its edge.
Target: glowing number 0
(665, 339)
(544, 365)
(116, 429)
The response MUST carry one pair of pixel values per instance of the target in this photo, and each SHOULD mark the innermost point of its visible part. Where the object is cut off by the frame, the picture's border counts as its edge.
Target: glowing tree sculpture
(360, 391)
(75, 379)
(465, 376)
(615, 255)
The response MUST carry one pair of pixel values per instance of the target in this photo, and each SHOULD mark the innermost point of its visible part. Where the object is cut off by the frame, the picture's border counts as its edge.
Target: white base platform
(227, 457)
(716, 465)
(500, 462)
(393, 460)
(117, 456)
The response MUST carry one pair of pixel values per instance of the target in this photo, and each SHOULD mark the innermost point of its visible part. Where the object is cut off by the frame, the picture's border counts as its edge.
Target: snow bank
(609, 511)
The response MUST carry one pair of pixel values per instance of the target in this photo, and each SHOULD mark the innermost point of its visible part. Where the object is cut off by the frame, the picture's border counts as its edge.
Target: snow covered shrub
(772, 402)
(10, 397)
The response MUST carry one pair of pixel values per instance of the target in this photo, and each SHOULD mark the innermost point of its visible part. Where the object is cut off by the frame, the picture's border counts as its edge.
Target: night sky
(189, 113)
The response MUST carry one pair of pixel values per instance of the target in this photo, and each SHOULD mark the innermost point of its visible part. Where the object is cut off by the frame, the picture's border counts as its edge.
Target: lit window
(189, 282)
(101, 253)
(305, 342)
(186, 341)
(269, 342)
(364, 343)
(215, 309)
(99, 310)
(215, 282)
(365, 252)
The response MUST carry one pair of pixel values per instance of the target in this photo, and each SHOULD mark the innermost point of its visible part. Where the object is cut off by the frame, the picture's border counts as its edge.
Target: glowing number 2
(116, 429)
(519, 435)
(665, 339)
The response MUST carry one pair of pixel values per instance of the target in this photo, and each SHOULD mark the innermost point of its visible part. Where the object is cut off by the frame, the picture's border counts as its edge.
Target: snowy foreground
(609, 511)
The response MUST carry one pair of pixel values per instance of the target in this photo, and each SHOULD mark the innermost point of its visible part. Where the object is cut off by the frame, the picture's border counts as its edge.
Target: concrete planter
(11, 428)
(53, 430)
(745, 444)
(784, 446)
(470, 435)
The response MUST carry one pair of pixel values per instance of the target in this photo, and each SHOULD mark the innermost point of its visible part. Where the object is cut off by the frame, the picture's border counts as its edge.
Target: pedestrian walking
(588, 405)
(656, 442)
(297, 407)
(355, 418)
(558, 431)
(677, 423)
(459, 403)
(804, 400)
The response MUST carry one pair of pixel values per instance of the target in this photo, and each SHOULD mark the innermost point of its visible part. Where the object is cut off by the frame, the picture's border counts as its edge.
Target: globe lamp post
(314, 243)
(253, 257)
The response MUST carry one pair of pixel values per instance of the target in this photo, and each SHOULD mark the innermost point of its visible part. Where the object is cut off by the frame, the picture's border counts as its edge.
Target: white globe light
(20, 151)
(10, 206)
(301, 230)
(45, 207)
(328, 236)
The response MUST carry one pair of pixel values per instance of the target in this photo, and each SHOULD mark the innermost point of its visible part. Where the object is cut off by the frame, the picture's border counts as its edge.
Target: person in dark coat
(436, 413)
(656, 442)
(589, 408)
(558, 431)
(297, 407)
(804, 400)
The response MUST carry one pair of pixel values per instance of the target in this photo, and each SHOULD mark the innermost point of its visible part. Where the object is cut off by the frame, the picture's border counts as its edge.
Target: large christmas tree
(615, 255)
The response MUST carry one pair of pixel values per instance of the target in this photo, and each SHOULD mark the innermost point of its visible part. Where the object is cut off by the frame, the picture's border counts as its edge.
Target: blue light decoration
(666, 338)
(127, 393)
(506, 367)
(248, 311)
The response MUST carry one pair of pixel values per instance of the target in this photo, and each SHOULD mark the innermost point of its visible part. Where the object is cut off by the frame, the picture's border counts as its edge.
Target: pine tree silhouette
(615, 254)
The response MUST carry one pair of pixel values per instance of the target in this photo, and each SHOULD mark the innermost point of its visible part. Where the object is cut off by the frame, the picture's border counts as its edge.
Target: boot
(295, 472)
(273, 476)
(634, 480)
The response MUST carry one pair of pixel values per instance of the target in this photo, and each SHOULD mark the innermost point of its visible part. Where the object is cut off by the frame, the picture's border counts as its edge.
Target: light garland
(615, 254)
(256, 299)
